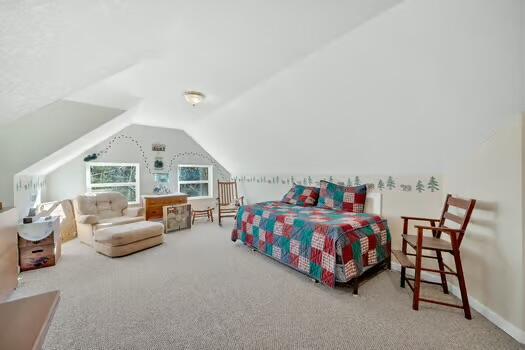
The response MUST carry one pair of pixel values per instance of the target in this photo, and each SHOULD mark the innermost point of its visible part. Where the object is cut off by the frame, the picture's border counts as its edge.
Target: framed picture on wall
(177, 217)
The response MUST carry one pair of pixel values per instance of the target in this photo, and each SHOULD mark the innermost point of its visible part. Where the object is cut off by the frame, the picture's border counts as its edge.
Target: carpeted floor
(199, 290)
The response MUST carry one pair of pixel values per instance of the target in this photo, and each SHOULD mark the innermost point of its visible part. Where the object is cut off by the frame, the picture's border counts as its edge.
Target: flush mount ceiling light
(193, 97)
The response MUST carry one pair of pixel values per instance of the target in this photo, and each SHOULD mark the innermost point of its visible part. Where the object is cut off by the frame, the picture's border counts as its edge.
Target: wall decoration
(90, 157)
(373, 183)
(158, 147)
(158, 164)
(178, 158)
(406, 188)
(162, 183)
(390, 183)
(433, 184)
(27, 183)
(419, 186)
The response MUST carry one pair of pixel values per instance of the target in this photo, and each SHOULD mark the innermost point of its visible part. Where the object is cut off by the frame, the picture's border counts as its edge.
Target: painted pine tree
(380, 185)
(370, 187)
(330, 178)
(433, 185)
(357, 181)
(292, 180)
(310, 180)
(348, 182)
(390, 183)
(419, 186)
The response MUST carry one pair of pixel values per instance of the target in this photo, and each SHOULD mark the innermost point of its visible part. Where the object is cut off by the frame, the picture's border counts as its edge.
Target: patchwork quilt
(325, 244)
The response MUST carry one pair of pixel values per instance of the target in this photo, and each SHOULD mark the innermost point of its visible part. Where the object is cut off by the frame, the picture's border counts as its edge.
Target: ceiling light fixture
(193, 97)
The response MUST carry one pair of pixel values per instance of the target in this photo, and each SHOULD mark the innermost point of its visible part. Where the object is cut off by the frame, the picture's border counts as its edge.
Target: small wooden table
(24, 322)
(202, 213)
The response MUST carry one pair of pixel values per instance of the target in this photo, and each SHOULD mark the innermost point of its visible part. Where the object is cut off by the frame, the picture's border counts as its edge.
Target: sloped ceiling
(413, 90)
(50, 49)
(292, 86)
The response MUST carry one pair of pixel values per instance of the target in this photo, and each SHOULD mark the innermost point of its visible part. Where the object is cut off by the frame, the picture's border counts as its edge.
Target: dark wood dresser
(153, 204)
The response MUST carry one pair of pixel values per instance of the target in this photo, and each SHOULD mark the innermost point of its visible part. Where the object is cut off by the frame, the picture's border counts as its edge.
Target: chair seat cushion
(117, 220)
(128, 233)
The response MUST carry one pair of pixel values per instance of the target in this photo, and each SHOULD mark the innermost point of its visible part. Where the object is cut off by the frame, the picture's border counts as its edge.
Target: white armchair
(101, 210)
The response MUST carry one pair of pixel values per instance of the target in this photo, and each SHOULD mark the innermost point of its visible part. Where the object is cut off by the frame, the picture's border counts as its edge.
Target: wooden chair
(435, 243)
(228, 200)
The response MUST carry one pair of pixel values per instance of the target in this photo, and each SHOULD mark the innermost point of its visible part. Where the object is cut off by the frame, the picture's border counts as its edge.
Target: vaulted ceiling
(291, 86)
(115, 52)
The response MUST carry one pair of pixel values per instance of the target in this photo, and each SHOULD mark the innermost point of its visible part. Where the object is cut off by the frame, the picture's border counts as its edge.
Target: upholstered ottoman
(129, 238)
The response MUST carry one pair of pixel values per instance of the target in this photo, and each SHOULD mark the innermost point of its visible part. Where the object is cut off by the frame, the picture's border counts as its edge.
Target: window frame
(209, 181)
(90, 186)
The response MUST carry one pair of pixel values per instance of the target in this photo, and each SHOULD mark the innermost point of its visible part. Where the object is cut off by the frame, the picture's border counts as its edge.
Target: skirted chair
(105, 222)
(228, 200)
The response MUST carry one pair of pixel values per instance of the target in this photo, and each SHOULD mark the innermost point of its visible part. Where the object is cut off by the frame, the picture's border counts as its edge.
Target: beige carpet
(201, 291)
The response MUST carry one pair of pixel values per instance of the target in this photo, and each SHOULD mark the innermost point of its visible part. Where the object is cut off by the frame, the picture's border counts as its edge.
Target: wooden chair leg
(462, 284)
(444, 284)
(417, 279)
(193, 219)
(403, 269)
(211, 215)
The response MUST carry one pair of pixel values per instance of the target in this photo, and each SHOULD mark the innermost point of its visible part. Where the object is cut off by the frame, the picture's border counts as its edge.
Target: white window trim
(89, 185)
(209, 181)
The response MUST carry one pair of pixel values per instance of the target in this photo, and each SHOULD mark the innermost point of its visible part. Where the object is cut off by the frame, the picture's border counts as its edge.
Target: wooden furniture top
(8, 252)
(175, 194)
(5, 209)
(24, 322)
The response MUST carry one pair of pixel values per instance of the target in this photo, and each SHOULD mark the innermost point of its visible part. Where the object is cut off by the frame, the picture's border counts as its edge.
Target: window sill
(201, 197)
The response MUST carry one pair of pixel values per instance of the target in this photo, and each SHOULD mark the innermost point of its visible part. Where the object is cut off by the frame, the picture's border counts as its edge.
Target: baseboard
(489, 314)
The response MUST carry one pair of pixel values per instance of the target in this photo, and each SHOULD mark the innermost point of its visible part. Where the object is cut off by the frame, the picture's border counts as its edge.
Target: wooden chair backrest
(462, 221)
(227, 192)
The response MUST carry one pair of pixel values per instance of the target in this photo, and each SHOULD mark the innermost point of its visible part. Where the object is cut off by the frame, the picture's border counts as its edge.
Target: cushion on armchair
(302, 195)
(103, 205)
(134, 212)
(87, 219)
(339, 197)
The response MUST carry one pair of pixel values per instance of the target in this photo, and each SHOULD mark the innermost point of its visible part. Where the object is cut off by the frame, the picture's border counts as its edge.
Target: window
(196, 180)
(116, 177)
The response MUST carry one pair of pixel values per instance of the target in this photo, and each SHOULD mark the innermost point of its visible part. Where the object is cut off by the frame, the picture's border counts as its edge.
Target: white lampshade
(193, 97)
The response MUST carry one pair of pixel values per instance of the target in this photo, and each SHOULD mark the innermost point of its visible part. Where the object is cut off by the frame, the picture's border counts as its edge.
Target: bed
(328, 245)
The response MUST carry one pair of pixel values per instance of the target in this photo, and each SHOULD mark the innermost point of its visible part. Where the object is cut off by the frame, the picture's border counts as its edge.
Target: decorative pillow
(302, 195)
(338, 197)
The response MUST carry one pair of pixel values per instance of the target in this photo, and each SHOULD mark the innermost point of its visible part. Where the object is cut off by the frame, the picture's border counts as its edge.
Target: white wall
(493, 248)
(39, 134)
(69, 180)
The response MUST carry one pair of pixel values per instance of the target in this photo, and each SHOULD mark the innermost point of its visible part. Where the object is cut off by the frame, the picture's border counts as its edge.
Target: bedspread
(313, 240)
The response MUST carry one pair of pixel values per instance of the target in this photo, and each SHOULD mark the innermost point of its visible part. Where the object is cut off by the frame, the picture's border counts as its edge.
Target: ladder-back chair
(228, 199)
(439, 245)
